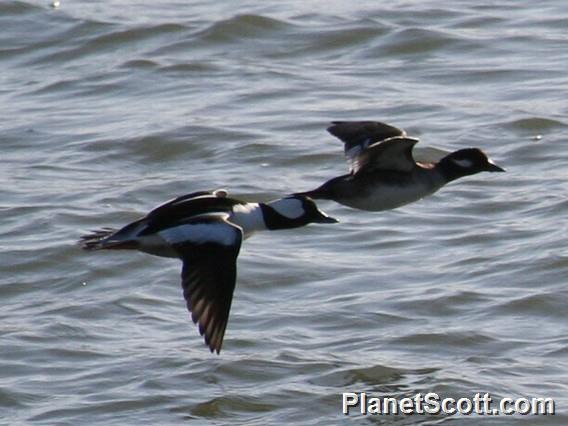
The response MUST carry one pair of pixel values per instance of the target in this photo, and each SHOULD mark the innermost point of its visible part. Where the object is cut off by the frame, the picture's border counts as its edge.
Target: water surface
(112, 107)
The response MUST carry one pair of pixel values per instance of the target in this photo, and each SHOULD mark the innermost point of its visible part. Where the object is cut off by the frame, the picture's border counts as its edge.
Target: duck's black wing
(394, 154)
(187, 207)
(208, 248)
(180, 210)
(357, 136)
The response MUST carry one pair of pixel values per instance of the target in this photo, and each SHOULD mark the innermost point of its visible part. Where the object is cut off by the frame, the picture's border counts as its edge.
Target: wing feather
(393, 154)
(208, 275)
(187, 207)
(357, 136)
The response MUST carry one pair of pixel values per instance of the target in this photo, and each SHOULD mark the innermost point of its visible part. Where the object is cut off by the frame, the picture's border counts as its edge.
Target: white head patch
(291, 208)
(463, 163)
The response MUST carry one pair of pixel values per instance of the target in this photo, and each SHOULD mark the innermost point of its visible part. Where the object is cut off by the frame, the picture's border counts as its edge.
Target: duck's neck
(284, 213)
(250, 217)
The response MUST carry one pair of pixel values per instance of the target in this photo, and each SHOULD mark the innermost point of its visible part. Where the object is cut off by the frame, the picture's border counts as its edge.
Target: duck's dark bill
(327, 219)
(492, 167)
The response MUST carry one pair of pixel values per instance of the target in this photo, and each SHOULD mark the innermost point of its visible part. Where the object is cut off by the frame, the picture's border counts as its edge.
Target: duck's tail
(103, 239)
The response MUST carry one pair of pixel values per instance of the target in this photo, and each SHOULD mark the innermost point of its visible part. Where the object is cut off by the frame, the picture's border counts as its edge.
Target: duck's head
(294, 211)
(467, 162)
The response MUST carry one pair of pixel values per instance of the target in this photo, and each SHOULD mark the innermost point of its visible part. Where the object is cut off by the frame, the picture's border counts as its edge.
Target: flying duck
(383, 172)
(205, 230)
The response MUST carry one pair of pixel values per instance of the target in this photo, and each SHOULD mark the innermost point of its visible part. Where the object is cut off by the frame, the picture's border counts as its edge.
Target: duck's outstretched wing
(186, 207)
(209, 250)
(177, 211)
(394, 154)
(357, 136)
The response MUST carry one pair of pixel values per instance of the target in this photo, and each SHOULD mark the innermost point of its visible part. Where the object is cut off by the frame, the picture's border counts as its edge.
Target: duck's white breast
(249, 217)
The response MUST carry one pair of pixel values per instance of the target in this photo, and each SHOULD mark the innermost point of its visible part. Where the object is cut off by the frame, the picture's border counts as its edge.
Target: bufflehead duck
(205, 230)
(383, 172)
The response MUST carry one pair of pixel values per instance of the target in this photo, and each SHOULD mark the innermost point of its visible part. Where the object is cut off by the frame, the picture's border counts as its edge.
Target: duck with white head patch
(385, 175)
(205, 230)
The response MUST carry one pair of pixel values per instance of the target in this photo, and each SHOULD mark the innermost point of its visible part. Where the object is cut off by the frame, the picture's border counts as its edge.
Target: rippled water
(111, 107)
